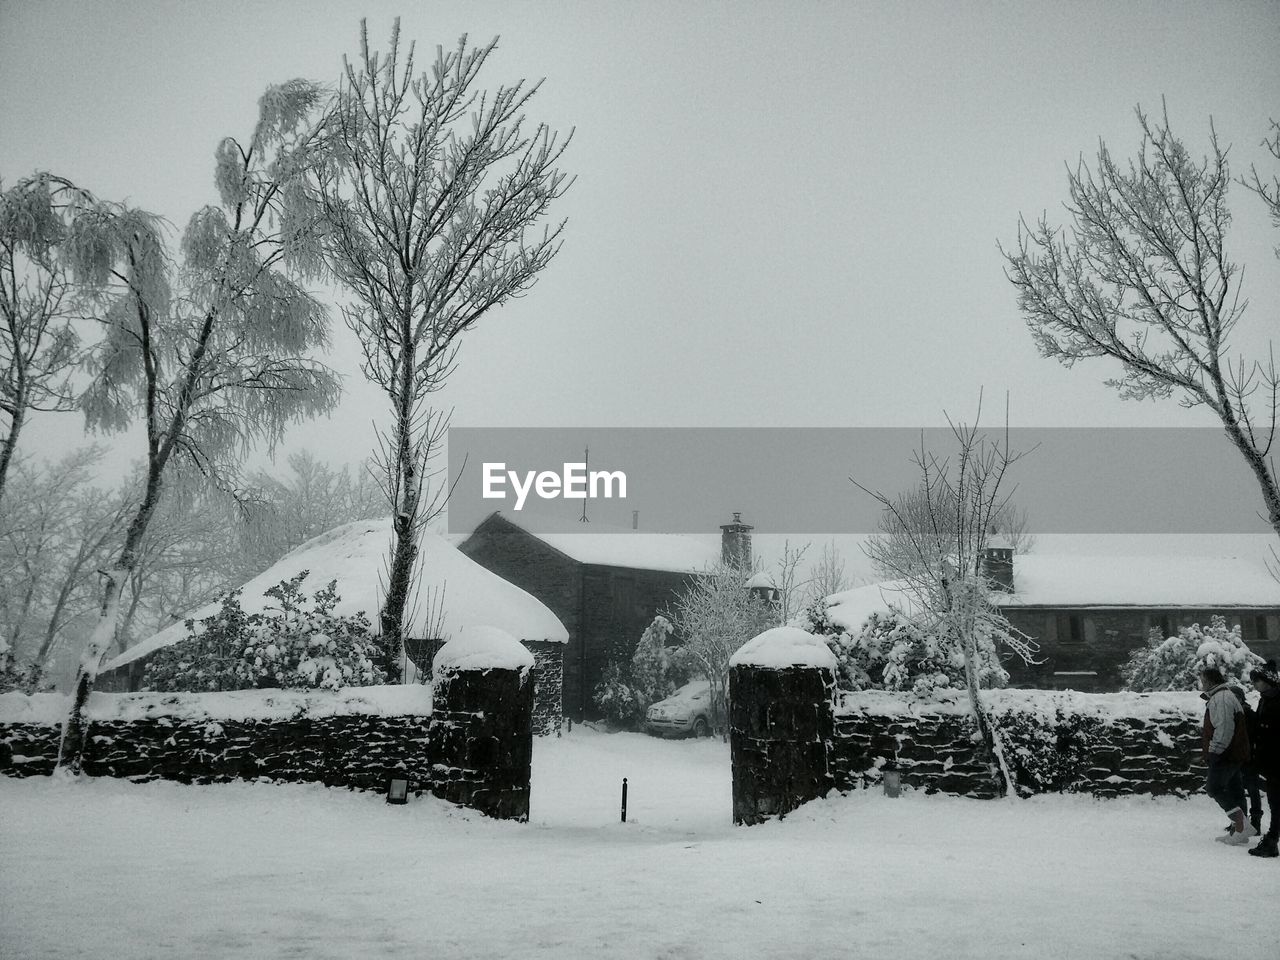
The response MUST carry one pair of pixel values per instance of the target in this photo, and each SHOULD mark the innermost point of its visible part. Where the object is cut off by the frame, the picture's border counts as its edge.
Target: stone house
(605, 586)
(1089, 613)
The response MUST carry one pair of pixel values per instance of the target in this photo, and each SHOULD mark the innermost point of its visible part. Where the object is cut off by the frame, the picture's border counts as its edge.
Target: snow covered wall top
(355, 555)
(393, 700)
(482, 648)
(784, 647)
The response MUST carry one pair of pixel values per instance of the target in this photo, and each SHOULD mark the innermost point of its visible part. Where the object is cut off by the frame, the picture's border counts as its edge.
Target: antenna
(586, 463)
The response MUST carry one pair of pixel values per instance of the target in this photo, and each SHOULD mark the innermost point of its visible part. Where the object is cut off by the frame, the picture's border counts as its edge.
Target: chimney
(735, 543)
(997, 564)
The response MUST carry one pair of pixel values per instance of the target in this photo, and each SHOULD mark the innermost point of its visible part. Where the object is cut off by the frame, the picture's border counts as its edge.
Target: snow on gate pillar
(781, 722)
(481, 735)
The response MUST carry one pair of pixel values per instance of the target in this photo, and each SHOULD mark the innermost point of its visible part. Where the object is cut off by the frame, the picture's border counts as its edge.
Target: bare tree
(932, 543)
(713, 616)
(828, 575)
(1142, 276)
(40, 345)
(432, 191)
(786, 578)
(214, 356)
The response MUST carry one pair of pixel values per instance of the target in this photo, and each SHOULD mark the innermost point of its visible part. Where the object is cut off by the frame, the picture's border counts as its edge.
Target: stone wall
(472, 746)
(548, 678)
(348, 739)
(482, 742)
(782, 687)
(1103, 744)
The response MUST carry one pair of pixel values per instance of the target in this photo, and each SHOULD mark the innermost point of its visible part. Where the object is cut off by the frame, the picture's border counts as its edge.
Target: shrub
(1174, 663)
(24, 677)
(890, 652)
(300, 643)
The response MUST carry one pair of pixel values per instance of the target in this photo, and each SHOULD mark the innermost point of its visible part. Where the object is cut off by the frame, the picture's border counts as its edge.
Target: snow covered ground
(109, 869)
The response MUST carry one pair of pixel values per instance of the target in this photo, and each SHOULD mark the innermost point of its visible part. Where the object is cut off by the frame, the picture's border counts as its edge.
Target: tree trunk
(76, 726)
(404, 549)
(11, 441)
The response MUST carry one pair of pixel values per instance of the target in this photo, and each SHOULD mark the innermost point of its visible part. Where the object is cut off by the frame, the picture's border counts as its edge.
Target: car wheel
(701, 728)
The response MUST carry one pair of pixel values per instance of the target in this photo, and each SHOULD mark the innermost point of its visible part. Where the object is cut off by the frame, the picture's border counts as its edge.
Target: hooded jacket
(1224, 733)
(1267, 749)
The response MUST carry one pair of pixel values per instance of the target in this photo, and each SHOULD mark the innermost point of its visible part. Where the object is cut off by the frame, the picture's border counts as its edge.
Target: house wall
(604, 608)
(1090, 656)
(618, 604)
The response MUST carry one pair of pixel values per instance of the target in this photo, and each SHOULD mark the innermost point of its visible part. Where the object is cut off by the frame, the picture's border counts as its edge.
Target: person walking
(1267, 752)
(1249, 769)
(1226, 749)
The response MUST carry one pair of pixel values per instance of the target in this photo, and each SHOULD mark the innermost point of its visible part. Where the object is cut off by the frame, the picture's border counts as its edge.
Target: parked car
(686, 713)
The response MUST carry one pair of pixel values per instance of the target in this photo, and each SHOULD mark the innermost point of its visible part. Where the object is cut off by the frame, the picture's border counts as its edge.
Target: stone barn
(1088, 614)
(451, 592)
(605, 587)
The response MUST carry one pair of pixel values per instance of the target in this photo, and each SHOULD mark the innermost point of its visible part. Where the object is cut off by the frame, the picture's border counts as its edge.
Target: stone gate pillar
(481, 735)
(781, 722)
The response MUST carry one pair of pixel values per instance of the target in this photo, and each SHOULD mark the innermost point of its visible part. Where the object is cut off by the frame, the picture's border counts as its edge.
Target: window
(1070, 628)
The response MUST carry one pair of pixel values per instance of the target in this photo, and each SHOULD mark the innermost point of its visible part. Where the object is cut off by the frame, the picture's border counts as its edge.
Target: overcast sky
(786, 214)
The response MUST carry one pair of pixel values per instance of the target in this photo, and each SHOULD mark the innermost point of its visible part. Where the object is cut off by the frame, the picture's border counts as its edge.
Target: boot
(1267, 848)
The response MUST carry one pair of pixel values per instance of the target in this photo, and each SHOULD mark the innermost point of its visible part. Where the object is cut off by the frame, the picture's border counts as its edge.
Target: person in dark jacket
(1226, 748)
(1249, 769)
(1267, 751)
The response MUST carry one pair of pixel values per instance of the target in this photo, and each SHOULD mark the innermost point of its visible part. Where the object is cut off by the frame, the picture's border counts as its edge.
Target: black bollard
(624, 799)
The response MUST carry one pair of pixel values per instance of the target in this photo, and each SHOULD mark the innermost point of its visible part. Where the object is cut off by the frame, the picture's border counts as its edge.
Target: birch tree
(436, 195)
(932, 542)
(40, 343)
(212, 352)
(1141, 275)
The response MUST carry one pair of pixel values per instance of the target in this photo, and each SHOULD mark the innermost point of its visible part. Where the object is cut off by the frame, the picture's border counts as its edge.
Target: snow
(1042, 703)
(483, 648)
(355, 554)
(1088, 581)
(762, 580)
(392, 700)
(784, 647)
(610, 546)
(162, 870)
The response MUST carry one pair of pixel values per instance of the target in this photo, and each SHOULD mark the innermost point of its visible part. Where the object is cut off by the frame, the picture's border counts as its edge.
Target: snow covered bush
(300, 643)
(889, 652)
(628, 689)
(1048, 753)
(1174, 663)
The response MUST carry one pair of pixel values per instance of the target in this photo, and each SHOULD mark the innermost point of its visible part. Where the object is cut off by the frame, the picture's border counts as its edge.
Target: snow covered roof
(355, 555)
(762, 581)
(1083, 581)
(608, 546)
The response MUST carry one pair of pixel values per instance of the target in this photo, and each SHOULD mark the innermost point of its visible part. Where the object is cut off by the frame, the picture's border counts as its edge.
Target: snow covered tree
(628, 690)
(1174, 663)
(432, 192)
(891, 652)
(213, 354)
(311, 498)
(713, 616)
(41, 292)
(932, 543)
(1142, 276)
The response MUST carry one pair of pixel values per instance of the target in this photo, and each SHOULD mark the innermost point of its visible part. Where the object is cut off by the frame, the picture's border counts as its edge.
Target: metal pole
(624, 799)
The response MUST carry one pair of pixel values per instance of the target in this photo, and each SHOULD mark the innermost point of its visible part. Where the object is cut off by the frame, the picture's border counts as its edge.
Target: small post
(624, 799)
